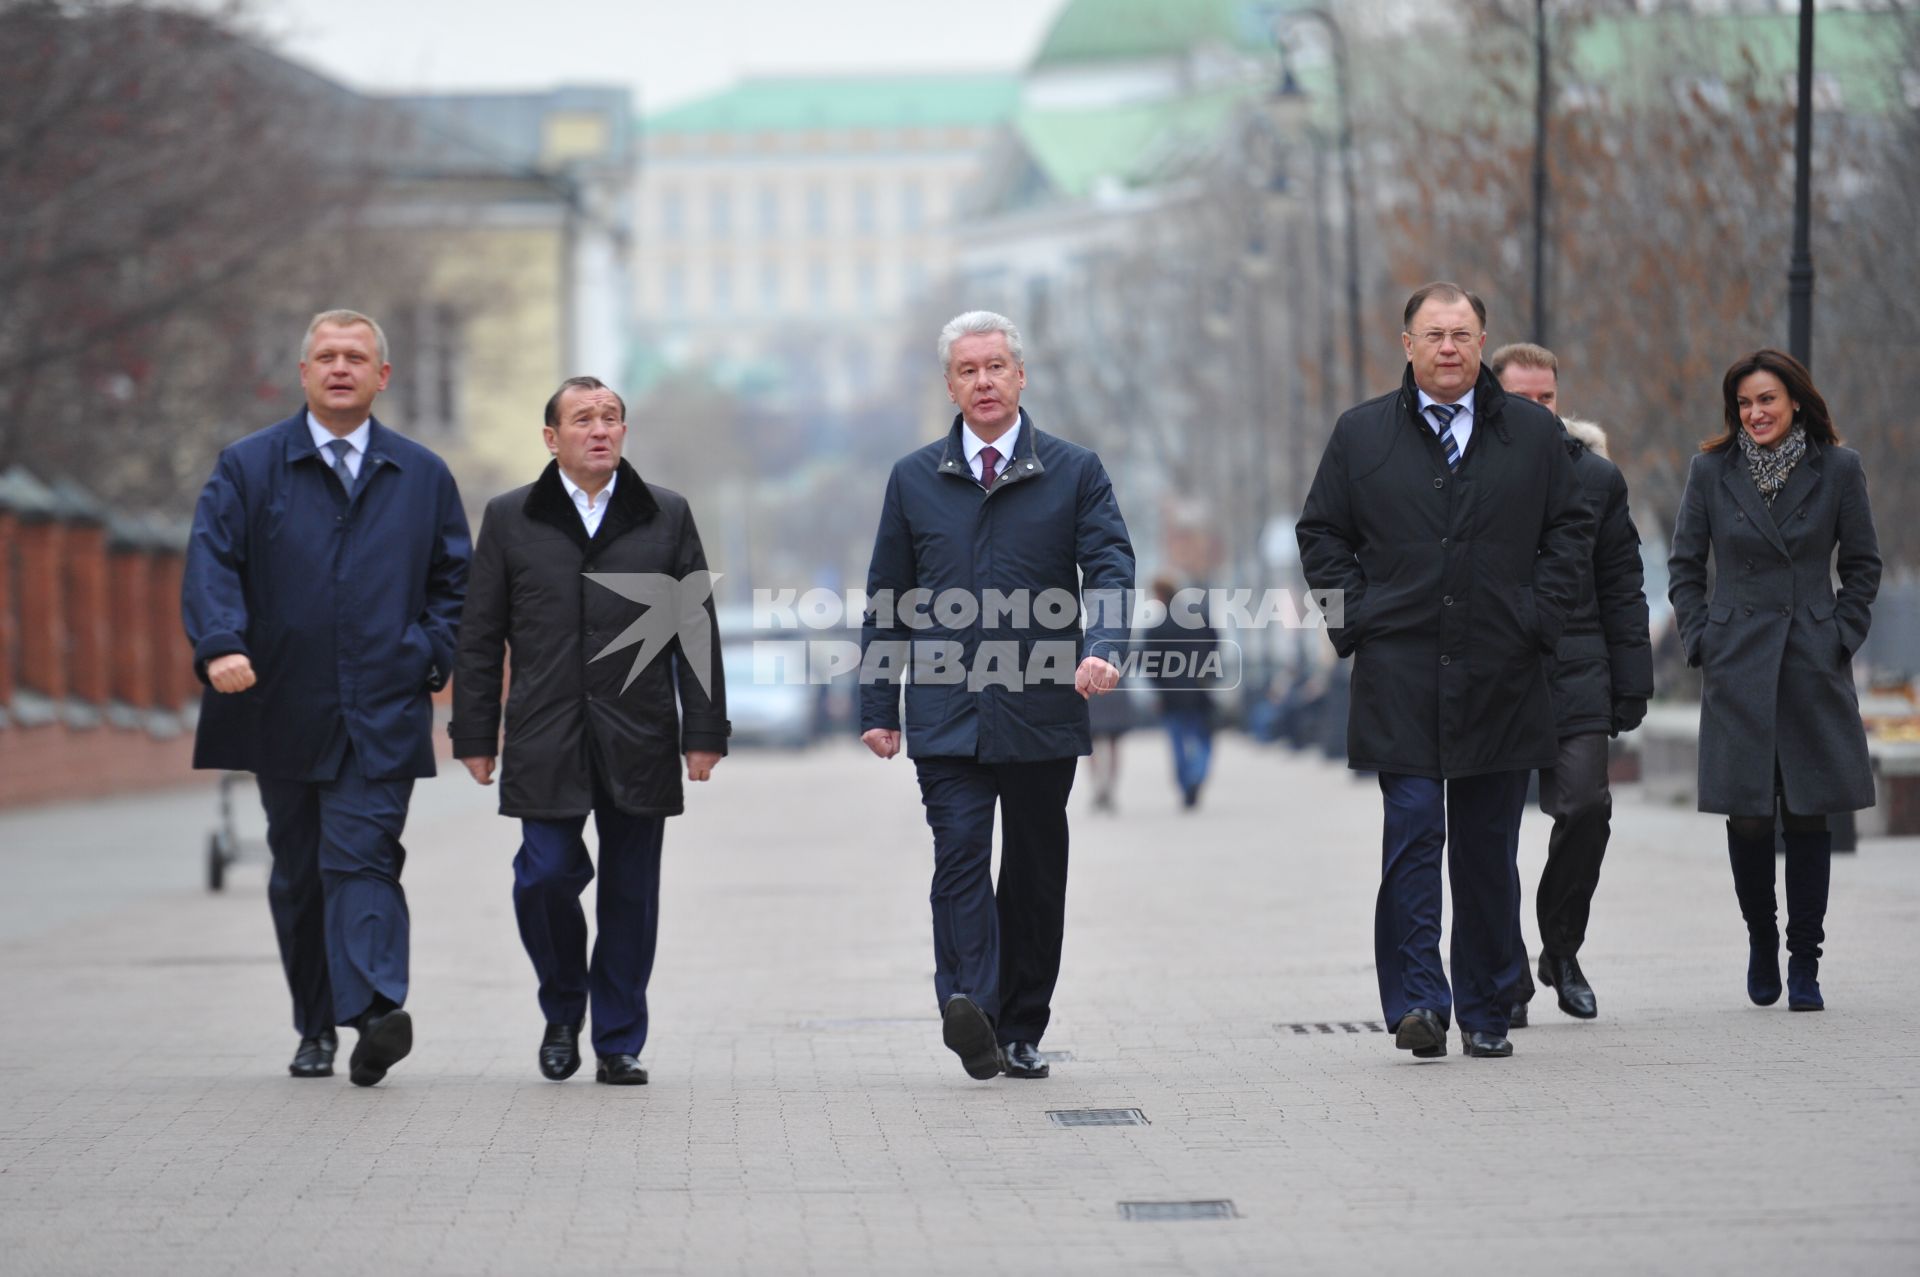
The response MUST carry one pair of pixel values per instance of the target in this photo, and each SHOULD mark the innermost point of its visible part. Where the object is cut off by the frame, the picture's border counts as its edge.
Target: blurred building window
(720, 290)
(720, 212)
(673, 213)
(916, 278)
(913, 205)
(817, 208)
(674, 289)
(820, 286)
(770, 287)
(429, 384)
(864, 220)
(866, 284)
(769, 210)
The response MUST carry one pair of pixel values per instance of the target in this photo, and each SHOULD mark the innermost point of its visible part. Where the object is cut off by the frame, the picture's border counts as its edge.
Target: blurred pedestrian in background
(322, 592)
(995, 507)
(1448, 515)
(1186, 661)
(587, 736)
(1600, 678)
(1776, 503)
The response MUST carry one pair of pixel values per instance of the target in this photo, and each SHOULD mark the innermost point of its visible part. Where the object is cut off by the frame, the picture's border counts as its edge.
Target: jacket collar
(1023, 464)
(1489, 403)
(299, 445)
(632, 503)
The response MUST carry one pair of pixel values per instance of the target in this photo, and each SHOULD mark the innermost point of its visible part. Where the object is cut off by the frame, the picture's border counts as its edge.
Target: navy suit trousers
(338, 909)
(1473, 822)
(549, 874)
(999, 947)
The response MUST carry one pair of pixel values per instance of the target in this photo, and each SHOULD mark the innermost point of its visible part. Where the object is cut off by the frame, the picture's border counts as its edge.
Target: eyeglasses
(1434, 337)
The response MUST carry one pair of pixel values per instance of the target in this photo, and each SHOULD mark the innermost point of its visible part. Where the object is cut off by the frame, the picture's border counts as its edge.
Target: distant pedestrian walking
(1770, 500)
(1186, 652)
(322, 591)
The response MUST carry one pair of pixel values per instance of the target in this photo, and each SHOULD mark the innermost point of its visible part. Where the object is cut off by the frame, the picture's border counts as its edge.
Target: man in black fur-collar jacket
(590, 561)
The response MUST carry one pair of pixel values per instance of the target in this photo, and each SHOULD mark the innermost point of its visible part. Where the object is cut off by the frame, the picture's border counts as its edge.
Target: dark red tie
(989, 458)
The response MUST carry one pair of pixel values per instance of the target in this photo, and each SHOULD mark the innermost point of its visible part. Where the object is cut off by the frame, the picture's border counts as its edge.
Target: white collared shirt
(592, 508)
(973, 443)
(1462, 420)
(356, 442)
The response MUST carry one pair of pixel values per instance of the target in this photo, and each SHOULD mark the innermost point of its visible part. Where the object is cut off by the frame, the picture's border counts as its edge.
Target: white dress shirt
(973, 443)
(1462, 420)
(356, 442)
(592, 508)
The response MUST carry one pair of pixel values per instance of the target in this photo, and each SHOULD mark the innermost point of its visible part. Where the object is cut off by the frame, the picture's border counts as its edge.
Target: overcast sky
(666, 51)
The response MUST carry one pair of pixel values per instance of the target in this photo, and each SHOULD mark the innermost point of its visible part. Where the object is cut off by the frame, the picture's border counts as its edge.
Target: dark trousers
(1190, 732)
(338, 909)
(999, 947)
(1575, 793)
(549, 874)
(1471, 821)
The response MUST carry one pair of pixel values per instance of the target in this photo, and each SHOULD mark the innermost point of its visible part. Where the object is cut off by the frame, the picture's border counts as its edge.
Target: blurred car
(763, 708)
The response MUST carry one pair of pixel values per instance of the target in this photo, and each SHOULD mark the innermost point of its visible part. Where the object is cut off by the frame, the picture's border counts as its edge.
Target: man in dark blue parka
(975, 596)
(322, 592)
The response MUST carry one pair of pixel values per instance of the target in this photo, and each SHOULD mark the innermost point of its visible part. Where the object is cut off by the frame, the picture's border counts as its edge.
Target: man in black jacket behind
(1447, 517)
(587, 562)
(1600, 679)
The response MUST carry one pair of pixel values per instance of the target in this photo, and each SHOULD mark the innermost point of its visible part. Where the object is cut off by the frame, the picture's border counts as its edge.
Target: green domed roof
(1132, 30)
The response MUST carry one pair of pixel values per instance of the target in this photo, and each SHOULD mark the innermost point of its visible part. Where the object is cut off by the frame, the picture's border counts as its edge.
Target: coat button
(1439, 483)
(1746, 611)
(1786, 611)
(1445, 542)
(1803, 514)
(1447, 601)
(1738, 517)
(1446, 660)
(1749, 565)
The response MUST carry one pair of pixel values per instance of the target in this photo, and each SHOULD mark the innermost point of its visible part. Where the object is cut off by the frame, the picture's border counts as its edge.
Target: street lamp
(1542, 104)
(1337, 44)
(1800, 269)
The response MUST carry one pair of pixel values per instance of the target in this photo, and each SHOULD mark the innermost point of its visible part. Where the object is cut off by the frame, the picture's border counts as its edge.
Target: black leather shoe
(620, 1070)
(1486, 1046)
(315, 1056)
(1022, 1059)
(560, 1052)
(1421, 1032)
(1803, 984)
(968, 1033)
(1563, 976)
(385, 1040)
(1517, 1016)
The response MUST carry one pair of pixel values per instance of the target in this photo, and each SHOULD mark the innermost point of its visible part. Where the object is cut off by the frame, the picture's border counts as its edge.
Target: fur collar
(632, 504)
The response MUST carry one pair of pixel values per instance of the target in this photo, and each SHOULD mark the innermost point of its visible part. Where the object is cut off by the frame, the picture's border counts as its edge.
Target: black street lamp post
(1800, 269)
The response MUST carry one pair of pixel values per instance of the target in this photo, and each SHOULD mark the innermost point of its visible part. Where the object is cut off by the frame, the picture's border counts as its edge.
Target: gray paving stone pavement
(803, 1117)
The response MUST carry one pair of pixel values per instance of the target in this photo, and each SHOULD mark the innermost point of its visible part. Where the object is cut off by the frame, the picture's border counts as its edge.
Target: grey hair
(978, 321)
(343, 319)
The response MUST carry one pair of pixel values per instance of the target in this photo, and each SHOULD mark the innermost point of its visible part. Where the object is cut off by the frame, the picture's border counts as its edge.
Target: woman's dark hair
(1799, 383)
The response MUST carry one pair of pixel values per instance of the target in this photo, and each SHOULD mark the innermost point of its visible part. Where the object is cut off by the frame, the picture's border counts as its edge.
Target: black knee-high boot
(1809, 869)
(1752, 860)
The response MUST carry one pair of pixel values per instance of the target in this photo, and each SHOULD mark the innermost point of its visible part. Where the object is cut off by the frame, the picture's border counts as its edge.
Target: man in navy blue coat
(322, 593)
(985, 540)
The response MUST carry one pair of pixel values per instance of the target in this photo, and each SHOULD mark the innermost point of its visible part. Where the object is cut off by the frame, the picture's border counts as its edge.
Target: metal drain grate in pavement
(1097, 1117)
(1312, 1027)
(1150, 1212)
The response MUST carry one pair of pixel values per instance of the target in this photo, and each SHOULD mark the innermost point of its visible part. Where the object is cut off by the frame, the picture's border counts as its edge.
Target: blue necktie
(1443, 415)
(340, 448)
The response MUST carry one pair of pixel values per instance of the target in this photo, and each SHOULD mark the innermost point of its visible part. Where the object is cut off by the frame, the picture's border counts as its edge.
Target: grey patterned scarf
(1771, 467)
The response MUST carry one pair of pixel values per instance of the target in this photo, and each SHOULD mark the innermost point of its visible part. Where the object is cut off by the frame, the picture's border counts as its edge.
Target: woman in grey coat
(1773, 497)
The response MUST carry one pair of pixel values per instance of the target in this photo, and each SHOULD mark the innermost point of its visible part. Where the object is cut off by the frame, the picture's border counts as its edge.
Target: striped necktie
(340, 448)
(1443, 415)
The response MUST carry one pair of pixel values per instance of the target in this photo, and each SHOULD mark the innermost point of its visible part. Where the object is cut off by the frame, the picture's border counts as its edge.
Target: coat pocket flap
(1821, 609)
(1720, 613)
